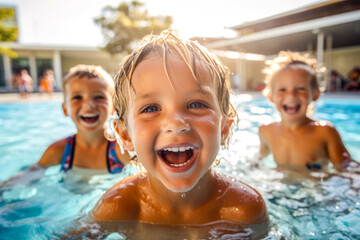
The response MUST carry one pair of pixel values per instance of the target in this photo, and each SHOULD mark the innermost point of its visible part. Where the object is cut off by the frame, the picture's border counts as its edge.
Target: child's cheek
(210, 125)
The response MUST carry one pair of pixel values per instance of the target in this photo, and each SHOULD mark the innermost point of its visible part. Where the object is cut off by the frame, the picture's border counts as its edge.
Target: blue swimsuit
(113, 163)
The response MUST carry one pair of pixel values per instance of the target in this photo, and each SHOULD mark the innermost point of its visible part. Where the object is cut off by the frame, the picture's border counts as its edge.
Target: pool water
(301, 205)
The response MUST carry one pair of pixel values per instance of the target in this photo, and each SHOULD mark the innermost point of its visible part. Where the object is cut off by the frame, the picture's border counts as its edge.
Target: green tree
(125, 25)
(8, 29)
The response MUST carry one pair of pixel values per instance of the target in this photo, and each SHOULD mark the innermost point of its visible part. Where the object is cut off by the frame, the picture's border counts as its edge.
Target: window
(42, 65)
(19, 64)
(2, 73)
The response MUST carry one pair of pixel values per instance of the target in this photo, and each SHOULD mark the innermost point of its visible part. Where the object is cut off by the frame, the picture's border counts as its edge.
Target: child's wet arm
(264, 147)
(34, 172)
(337, 151)
(52, 155)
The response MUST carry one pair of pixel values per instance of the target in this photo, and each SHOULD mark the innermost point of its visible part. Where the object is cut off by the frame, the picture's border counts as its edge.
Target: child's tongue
(90, 119)
(291, 109)
(176, 157)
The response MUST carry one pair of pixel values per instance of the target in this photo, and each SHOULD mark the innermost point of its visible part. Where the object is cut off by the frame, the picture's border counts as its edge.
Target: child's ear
(316, 96)
(225, 129)
(125, 138)
(64, 109)
(270, 98)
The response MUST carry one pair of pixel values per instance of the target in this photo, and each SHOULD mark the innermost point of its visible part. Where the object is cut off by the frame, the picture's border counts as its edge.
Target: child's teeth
(89, 115)
(180, 149)
(178, 165)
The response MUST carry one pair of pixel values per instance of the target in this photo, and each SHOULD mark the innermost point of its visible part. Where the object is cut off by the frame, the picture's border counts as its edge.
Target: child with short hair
(298, 140)
(172, 99)
(88, 91)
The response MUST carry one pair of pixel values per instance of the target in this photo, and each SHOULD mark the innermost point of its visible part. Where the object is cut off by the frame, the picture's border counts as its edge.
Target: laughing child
(298, 140)
(87, 101)
(172, 99)
(87, 93)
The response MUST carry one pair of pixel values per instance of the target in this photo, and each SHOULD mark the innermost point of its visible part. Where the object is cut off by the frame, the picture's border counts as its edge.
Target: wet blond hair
(193, 55)
(89, 71)
(291, 60)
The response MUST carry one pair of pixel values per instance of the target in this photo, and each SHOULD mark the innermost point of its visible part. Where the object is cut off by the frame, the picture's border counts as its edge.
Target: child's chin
(290, 119)
(181, 189)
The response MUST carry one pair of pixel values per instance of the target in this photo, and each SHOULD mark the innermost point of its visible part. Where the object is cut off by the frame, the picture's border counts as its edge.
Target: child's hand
(349, 165)
(34, 172)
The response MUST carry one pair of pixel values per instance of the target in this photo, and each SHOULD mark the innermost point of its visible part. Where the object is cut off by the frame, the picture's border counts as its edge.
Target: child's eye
(76, 97)
(196, 105)
(151, 108)
(281, 89)
(100, 97)
(300, 88)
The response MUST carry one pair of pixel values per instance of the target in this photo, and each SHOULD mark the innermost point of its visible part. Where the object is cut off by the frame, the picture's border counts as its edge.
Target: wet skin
(176, 130)
(88, 103)
(298, 140)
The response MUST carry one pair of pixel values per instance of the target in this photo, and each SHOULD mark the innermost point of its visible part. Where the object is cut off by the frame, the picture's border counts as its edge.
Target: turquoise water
(300, 205)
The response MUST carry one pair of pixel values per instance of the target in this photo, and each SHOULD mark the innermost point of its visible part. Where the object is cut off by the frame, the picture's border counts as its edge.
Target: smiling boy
(172, 98)
(298, 140)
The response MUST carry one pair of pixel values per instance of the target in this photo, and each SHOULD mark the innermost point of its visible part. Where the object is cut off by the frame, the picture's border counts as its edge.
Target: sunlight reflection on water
(300, 205)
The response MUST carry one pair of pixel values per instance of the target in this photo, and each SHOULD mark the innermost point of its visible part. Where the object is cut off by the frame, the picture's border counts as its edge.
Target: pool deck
(34, 97)
(57, 96)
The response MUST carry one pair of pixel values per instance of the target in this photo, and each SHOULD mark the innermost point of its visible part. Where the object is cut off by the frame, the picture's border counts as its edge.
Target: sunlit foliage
(125, 25)
(8, 29)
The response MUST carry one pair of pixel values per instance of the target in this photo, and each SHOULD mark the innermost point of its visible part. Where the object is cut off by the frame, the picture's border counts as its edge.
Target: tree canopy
(125, 25)
(8, 29)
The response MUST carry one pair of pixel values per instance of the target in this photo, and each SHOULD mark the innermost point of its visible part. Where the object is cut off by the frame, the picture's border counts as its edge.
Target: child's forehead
(293, 73)
(174, 64)
(85, 82)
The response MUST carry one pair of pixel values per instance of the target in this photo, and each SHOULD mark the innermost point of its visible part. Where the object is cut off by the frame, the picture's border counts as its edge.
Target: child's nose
(89, 103)
(292, 92)
(176, 123)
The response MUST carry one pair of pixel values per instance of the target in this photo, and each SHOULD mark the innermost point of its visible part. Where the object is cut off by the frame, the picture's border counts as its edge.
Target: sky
(71, 22)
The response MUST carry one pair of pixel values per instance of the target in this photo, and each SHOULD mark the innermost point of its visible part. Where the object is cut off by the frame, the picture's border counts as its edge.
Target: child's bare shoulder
(52, 155)
(120, 202)
(243, 203)
(325, 127)
(268, 129)
(269, 126)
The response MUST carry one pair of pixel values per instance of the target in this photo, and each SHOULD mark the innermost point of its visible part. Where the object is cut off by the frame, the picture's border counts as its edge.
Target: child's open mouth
(291, 108)
(178, 157)
(90, 118)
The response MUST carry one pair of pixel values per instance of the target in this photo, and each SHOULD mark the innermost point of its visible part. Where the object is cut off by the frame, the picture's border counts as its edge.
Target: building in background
(38, 58)
(329, 31)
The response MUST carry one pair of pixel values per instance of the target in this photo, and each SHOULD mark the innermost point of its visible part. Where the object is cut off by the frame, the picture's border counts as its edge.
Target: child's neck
(90, 138)
(296, 124)
(191, 199)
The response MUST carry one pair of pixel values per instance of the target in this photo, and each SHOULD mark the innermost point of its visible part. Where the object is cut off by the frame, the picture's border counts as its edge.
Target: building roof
(296, 29)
